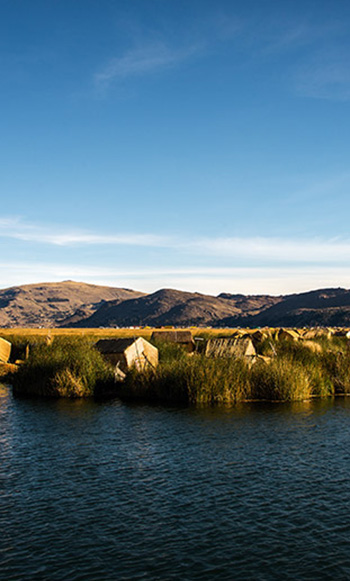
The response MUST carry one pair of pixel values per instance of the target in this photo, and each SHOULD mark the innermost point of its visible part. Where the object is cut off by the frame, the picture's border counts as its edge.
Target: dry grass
(57, 332)
(69, 366)
(294, 372)
(144, 332)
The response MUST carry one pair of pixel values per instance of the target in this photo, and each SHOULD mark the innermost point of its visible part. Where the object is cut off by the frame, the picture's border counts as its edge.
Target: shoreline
(282, 370)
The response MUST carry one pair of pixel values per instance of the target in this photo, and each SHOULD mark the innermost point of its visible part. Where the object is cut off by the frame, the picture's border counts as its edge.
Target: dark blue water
(108, 491)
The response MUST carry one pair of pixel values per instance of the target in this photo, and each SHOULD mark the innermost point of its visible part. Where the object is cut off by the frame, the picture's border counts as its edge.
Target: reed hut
(230, 347)
(183, 338)
(288, 334)
(319, 333)
(129, 352)
(258, 335)
(5, 350)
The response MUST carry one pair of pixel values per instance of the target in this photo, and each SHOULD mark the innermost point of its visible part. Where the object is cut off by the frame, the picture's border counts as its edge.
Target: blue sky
(201, 145)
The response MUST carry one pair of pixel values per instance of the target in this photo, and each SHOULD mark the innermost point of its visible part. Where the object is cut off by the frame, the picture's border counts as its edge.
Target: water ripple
(107, 491)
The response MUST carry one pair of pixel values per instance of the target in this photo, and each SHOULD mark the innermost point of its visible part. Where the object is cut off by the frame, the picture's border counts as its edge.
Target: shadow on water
(241, 409)
(97, 490)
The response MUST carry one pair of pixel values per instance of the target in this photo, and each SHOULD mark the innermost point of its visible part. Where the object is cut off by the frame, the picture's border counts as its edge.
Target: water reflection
(94, 491)
(6, 428)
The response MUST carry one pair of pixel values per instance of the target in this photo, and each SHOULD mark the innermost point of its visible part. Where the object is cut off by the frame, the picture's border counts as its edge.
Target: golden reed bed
(145, 332)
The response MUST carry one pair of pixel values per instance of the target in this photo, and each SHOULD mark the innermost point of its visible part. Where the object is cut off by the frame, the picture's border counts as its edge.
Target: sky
(201, 145)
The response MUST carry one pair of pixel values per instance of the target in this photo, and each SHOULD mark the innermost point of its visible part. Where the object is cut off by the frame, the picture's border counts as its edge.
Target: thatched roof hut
(129, 352)
(257, 335)
(180, 337)
(288, 334)
(230, 347)
(318, 333)
(5, 350)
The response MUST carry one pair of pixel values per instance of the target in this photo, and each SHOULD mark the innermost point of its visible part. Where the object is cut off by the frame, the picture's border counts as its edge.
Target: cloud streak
(259, 249)
(17, 229)
(273, 280)
(276, 249)
(143, 61)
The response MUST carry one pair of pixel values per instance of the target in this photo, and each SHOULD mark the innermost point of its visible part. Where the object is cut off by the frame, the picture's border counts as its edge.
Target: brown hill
(54, 304)
(173, 307)
(73, 304)
(323, 307)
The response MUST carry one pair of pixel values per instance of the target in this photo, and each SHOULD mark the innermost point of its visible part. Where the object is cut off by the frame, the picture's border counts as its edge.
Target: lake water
(109, 491)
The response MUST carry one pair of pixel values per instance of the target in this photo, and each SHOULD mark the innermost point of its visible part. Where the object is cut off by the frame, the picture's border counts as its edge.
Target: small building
(288, 335)
(129, 352)
(230, 347)
(319, 333)
(257, 335)
(5, 350)
(180, 337)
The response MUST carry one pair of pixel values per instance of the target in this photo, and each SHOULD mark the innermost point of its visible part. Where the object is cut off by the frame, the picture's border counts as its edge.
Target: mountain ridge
(75, 304)
(52, 303)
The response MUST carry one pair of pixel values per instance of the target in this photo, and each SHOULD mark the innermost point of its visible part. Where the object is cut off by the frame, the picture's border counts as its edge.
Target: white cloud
(267, 249)
(209, 280)
(142, 61)
(276, 249)
(20, 230)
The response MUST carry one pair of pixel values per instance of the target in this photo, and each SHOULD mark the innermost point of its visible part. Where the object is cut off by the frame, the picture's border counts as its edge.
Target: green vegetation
(295, 371)
(291, 370)
(68, 367)
(191, 379)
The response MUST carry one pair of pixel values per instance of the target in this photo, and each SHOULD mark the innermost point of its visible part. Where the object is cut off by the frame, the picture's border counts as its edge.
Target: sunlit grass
(294, 372)
(68, 367)
(63, 362)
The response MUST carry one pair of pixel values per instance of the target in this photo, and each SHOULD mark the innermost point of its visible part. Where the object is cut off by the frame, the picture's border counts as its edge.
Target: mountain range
(53, 304)
(75, 304)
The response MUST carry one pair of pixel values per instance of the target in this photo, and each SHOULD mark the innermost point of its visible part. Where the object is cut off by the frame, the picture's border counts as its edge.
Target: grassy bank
(33, 334)
(70, 366)
(294, 372)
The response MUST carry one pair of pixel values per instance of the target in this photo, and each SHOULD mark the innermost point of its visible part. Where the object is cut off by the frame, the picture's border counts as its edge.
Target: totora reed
(283, 371)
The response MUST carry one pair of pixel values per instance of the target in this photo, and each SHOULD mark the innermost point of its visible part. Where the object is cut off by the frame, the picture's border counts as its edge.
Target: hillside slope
(73, 304)
(53, 304)
(322, 307)
(173, 307)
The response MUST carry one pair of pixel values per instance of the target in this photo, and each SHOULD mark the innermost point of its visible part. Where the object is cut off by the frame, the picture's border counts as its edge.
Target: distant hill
(54, 304)
(323, 307)
(173, 307)
(73, 304)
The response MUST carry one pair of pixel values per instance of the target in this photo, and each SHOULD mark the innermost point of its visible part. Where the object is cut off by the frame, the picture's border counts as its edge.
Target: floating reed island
(209, 368)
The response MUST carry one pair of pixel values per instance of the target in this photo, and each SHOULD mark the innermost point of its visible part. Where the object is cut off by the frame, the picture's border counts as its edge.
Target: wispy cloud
(280, 40)
(251, 280)
(321, 54)
(280, 36)
(267, 249)
(20, 230)
(314, 73)
(276, 249)
(174, 47)
(144, 60)
(325, 76)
